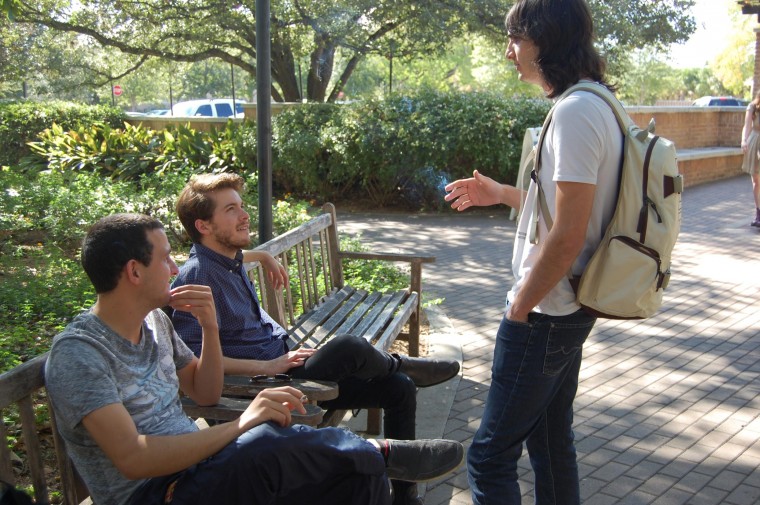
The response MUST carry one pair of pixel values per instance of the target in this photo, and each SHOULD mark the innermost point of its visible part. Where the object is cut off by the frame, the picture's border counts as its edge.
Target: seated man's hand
(290, 360)
(196, 299)
(275, 272)
(273, 404)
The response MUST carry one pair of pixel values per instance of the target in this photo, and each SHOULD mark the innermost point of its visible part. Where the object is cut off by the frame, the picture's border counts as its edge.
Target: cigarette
(304, 399)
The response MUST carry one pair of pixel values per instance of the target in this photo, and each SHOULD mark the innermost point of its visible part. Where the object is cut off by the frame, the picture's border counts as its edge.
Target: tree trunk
(321, 69)
(284, 72)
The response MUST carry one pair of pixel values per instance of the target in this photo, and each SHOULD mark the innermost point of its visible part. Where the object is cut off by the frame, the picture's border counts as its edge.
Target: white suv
(221, 107)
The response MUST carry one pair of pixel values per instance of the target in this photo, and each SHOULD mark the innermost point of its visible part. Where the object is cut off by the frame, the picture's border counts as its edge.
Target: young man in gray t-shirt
(113, 377)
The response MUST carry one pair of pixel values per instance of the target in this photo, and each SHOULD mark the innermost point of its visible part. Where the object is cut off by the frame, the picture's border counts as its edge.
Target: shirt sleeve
(78, 381)
(578, 138)
(164, 327)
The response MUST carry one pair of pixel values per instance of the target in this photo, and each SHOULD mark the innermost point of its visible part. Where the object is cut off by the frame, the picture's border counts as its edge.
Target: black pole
(264, 118)
(390, 74)
(300, 82)
(232, 75)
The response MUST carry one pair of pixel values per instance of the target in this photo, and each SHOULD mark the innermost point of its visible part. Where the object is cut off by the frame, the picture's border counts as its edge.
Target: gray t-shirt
(90, 367)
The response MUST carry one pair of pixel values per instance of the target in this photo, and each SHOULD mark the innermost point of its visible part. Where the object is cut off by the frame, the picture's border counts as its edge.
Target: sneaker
(422, 460)
(426, 371)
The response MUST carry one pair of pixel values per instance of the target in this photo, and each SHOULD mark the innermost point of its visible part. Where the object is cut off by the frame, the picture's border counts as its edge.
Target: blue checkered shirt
(246, 331)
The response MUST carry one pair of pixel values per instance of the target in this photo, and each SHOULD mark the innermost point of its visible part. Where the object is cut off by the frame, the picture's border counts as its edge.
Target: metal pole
(232, 75)
(264, 118)
(390, 76)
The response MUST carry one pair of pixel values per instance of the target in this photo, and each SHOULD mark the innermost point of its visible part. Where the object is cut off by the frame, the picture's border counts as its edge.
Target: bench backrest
(313, 249)
(18, 388)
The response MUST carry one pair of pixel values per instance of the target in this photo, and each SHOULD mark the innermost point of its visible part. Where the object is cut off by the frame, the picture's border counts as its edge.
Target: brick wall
(691, 127)
(701, 170)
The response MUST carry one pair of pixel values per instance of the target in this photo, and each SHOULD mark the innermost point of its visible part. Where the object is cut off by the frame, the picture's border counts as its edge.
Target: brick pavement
(668, 409)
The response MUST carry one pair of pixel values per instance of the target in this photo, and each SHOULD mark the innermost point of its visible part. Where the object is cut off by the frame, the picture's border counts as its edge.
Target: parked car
(220, 107)
(720, 101)
(157, 112)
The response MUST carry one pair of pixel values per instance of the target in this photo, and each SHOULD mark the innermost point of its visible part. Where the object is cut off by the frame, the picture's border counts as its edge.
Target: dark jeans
(533, 385)
(367, 378)
(270, 465)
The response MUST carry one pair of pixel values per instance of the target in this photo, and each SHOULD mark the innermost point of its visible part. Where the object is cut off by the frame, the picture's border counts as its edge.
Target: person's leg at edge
(519, 395)
(396, 394)
(756, 195)
(269, 464)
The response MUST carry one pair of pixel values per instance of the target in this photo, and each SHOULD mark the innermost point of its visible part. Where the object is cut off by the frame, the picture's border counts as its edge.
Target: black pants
(366, 378)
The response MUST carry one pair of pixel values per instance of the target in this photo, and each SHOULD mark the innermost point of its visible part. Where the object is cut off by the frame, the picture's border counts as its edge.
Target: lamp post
(264, 118)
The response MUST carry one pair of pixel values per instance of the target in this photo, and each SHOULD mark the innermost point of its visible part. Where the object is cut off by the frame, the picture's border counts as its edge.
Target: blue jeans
(269, 465)
(533, 385)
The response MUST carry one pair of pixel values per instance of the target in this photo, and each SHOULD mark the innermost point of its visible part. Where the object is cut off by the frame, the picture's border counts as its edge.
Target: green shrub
(402, 149)
(21, 122)
(132, 151)
(41, 288)
(308, 151)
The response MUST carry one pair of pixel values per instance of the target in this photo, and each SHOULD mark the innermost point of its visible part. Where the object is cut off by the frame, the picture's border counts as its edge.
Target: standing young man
(539, 344)
(113, 377)
(211, 210)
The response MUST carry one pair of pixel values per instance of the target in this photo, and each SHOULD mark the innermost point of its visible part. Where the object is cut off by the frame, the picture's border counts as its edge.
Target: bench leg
(414, 321)
(374, 418)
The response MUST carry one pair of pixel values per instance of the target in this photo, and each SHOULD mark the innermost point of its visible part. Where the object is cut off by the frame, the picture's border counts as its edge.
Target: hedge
(395, 151)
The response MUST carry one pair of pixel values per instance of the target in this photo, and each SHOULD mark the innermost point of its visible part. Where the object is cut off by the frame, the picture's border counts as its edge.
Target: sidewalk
(668, 409)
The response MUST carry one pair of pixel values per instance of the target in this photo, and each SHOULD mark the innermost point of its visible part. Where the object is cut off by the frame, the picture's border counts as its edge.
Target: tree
(648, 79)
(312, 35)
(735, 65)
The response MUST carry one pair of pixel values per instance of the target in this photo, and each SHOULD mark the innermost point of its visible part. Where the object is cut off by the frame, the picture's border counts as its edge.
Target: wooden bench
(327, 306)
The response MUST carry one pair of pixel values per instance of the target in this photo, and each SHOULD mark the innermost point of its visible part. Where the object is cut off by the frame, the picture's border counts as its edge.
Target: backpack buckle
(664, 279)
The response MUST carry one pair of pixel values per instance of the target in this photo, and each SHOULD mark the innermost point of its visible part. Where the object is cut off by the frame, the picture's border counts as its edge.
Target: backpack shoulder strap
(623, 119)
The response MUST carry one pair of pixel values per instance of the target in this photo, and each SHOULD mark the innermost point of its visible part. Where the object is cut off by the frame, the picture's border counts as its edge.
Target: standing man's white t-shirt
(583, 144)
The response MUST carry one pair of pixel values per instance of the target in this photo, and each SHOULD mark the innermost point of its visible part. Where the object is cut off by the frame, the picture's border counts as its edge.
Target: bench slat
(366, 322)
(378, 256)
(33, 449)
(310, 321)
(327, 330)
(6, 467)
(229, 409)
(393, 330)
(287, 240)
(385, 316)
(22, 380)
(349, 326)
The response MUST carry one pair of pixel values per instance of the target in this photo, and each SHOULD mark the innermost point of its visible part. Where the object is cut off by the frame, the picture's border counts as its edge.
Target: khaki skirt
(751, 162)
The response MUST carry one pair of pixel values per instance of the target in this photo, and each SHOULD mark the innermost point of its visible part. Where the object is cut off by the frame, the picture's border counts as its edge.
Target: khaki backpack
(626, 276)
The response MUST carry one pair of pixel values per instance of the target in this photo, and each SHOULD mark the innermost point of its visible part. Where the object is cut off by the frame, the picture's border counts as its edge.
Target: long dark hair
(563, 31)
